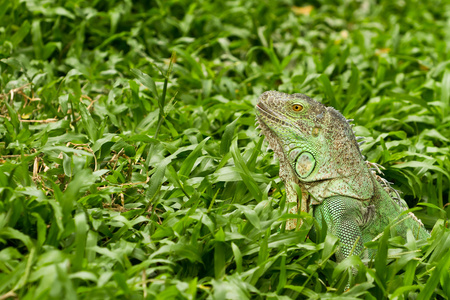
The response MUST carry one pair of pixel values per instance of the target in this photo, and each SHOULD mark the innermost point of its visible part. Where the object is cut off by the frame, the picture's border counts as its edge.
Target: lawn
(131, 166)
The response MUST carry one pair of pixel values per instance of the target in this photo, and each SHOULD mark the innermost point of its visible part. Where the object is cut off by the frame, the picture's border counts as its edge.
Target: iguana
(318, 151)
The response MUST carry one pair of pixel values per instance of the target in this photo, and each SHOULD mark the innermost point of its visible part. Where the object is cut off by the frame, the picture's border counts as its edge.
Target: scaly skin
(318, 151)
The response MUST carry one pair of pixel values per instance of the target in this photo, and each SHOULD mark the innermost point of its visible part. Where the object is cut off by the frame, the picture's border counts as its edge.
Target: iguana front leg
(345, 218)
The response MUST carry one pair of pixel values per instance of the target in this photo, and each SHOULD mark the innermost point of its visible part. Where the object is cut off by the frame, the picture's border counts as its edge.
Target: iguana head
(317, 142)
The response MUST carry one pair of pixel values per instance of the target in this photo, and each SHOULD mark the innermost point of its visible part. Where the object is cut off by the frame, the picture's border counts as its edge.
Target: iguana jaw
(264, 115)
(269, 135)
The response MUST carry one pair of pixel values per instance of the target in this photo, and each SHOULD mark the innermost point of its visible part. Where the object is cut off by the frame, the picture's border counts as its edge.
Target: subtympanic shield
(304, 162)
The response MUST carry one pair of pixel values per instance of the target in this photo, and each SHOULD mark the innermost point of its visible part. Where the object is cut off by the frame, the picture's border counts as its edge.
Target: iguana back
(319, 152)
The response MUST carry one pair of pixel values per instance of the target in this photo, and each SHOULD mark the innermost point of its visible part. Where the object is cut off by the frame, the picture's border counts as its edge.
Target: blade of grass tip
(282, 279)
(88, 122)
(147, 81)
(273, 57)
(227, 137)
(219, 254)
(432, 283)
(213, 200)
(410, 272)
(251, 163)
(73, 112)
(237, 257)
(162, 99)
(80, 240)
(41, 228)
(328, 90)
(192, 290)
(263, 254)
(440, 194)
(24, 279)
(156, 181)
(14, 117)
(381, 260)
(445, 93)
(189, 162)
(244, 172)
(166, 79)
(352, 89)
(20, 34)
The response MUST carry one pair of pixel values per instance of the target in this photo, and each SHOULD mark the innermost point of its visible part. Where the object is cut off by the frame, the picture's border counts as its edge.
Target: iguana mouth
(266, 114)
(263, 109)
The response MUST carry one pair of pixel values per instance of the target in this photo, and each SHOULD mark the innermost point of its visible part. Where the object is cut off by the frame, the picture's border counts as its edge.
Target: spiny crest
(386, 185)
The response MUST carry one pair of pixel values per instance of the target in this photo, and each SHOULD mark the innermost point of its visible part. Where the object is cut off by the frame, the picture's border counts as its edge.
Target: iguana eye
(297, 107)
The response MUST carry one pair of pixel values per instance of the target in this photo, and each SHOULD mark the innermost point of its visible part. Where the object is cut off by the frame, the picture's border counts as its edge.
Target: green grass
(131, 167)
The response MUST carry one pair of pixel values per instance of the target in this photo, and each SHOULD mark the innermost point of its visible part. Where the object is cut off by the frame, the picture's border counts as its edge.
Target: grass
(131, 167)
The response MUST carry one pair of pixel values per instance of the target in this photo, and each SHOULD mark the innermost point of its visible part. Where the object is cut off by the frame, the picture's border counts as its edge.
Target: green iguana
(319, 152)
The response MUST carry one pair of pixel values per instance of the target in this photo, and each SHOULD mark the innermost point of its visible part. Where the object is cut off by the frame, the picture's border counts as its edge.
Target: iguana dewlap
(318, 151)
